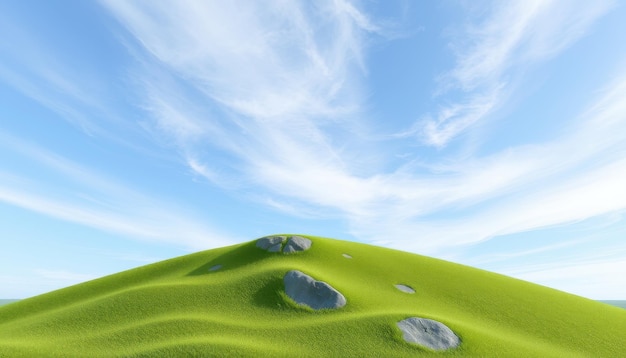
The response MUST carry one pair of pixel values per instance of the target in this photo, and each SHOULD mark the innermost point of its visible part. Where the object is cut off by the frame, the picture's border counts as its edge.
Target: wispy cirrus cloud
(64, 276)
(251, 57)
(284, 107)
(571, 178)
(454, 119)
(92, 199)
(26, 284)
(492, 52)
(76, 88)
(274, 107)
(270, 86)
(580, 275)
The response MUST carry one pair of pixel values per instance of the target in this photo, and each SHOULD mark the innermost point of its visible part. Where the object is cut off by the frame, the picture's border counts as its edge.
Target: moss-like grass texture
(178, 307)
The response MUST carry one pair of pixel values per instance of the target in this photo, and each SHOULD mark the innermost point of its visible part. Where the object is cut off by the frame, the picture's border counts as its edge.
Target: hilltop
(232, 301)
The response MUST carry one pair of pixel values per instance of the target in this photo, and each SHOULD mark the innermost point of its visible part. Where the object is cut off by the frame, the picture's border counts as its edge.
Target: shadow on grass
(233, 259)
(271, 295)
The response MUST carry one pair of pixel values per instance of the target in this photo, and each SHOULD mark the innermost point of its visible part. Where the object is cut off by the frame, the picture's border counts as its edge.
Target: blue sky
(487, 133)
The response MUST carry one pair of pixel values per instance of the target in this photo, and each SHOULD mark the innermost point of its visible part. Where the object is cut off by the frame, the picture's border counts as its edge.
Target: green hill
(179, 307)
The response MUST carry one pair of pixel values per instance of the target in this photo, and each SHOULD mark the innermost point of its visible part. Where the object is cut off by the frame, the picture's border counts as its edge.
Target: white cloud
(130, 256)
(280, 144)
(33, 66)
(499, 257)
(572, 178)
(454, 119)
(64, 276)
(20, 285)
(597, 279)
(280, 74)
(267, 61)
(284, 87)
(513, 37)
(95, 200)
(267, 81)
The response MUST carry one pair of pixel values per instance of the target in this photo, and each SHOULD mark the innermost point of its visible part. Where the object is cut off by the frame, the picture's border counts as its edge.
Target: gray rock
(215, 267)
(275, 248)
(269, 241)
(297, 243)
(347, 256)
(426, 332)
(305, 290)
(405, 288)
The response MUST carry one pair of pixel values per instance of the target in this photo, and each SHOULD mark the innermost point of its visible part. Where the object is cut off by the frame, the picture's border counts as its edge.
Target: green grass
(177, 307)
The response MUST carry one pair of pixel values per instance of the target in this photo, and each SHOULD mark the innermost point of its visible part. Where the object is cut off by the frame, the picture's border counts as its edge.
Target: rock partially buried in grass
(215, 267)
(405, 288)
(305, 290)
(426, 332)
(347, 256)
(297, 243)
(275, 244)
(270, 243)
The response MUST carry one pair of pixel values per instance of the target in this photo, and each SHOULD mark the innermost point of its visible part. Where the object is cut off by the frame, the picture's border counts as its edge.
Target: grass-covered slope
(179, 307)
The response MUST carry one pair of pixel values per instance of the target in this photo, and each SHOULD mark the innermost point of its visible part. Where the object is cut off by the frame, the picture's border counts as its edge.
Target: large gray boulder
(426, 332)
(270, 243)
(305, 290)
(297, 243)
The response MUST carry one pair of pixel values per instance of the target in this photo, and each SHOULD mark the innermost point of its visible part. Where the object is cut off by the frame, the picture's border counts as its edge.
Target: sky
(487, 133)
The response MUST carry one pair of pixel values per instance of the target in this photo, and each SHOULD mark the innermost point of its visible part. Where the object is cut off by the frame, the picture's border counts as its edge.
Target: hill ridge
(178, 306)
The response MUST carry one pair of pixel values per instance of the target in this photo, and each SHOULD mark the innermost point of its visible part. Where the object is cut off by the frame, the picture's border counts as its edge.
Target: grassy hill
(179, 307)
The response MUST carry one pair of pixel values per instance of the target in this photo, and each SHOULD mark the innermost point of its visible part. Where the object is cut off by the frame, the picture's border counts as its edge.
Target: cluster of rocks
(305, 290)
(285, 244)
(300, 287)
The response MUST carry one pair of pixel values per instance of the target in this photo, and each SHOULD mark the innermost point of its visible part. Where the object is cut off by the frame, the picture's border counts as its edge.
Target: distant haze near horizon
(617, 303)
(487, 133)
